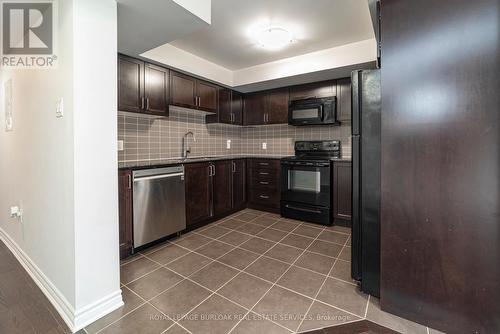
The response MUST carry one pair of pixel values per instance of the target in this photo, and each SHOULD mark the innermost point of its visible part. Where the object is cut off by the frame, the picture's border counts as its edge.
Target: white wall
(62, 171)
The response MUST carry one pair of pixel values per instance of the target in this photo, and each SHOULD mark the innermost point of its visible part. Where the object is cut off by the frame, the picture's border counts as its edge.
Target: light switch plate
(9, 122)
(120, 145)
(228, 144)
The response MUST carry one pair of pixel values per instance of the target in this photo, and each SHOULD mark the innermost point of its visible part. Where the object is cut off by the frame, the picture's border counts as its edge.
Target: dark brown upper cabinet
(269, 107)
(315, 89)
(344, 100)
(277, 106)
(189, 92)
(254, 107)
(142, 87)
(230, 108)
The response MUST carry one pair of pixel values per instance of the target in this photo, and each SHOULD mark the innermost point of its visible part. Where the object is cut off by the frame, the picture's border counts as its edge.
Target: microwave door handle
(321, 112)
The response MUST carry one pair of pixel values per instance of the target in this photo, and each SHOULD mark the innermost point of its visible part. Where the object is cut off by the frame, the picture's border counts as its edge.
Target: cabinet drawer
(267, 174)
(266, 197)
(264, 182)
(257, 164)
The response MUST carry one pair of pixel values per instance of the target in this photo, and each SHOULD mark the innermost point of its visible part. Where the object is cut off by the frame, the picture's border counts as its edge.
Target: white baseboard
(75, 320)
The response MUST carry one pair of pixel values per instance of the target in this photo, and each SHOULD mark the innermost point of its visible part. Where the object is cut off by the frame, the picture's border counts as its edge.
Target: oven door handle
(301, 209)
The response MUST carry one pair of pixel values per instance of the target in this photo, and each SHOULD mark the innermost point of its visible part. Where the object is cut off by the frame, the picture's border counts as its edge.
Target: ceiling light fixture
(274, 38)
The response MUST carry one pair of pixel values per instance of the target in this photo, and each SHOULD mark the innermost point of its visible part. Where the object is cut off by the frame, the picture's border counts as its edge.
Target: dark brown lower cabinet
(239, 184)
(263, 184)
(198, 183)
(125, 212)
(222, 187)
(342, 191)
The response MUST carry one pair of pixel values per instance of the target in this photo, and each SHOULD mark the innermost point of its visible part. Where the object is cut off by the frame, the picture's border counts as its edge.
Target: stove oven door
(306, 183)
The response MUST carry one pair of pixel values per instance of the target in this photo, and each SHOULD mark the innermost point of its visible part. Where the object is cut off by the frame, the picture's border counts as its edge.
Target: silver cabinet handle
(147, 103)
(142, 103)
(199, 101)
(130, 181)
(214, 170)
(263, 173)
(234, 167)
(264, 163)
(264, 183)
(264, 197)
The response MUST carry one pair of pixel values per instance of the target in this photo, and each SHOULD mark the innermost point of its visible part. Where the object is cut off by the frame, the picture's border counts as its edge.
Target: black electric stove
(306, 181)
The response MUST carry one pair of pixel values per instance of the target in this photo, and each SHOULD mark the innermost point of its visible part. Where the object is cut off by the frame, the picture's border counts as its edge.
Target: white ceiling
(316, 25)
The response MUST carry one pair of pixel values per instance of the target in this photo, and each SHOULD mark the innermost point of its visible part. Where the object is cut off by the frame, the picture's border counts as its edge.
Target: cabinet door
(315, 89)
(198, 192)
(342, 190)
(344, 99)
(156, 82)
(255, 108)
(277, 106)
(237, 107)
(239, 186)
(222, 189)
(130, 84)
(125, 212)
(182, 90)
(207, 96)
(224, 112)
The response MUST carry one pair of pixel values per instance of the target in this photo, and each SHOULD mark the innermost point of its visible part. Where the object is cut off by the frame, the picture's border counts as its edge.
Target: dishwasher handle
(155, 177)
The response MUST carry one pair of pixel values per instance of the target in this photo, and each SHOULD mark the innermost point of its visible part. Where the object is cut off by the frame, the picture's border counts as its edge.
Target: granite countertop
(177, 161)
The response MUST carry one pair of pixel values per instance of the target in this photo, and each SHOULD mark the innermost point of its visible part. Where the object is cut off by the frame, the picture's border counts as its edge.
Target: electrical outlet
(264, 146)
(120, 145)
(15, 212)
(228, 144)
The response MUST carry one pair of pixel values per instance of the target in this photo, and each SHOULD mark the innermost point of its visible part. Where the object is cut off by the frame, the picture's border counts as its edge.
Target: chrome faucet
(185, 148)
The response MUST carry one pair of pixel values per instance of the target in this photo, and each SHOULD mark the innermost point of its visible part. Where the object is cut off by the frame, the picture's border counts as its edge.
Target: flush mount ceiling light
(274, 38)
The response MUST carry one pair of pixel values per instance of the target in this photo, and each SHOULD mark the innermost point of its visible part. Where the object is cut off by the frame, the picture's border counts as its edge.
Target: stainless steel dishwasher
(159, 203)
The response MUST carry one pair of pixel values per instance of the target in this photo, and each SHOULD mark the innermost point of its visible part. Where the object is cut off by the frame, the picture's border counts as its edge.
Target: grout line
(366, 310)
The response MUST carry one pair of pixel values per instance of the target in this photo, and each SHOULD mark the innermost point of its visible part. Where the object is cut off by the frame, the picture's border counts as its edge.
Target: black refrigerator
(366, 128)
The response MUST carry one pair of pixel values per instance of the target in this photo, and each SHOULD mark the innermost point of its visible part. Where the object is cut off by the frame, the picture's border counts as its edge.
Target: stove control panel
(317, 146)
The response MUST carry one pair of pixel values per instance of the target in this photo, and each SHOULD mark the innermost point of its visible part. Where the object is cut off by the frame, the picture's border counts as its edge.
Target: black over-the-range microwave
(313, 111)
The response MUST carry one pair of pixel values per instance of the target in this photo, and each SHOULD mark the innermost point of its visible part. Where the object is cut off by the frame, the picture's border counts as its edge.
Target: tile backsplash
(150, 138)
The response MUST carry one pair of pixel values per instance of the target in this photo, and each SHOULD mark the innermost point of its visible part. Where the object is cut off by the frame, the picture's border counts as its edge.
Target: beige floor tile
(214, 315)
(188, 264)
(321, 315)
(177, 302)
(214, 275)
(345, 254)
(192, 241)
(250, 228)
(391, 321)
(167, 254)
(145, 320)
(235, 238)
(258, 245)
(302, 281)
(136, 269)
(267, 269)
(316, 262)
(284, 307)
(285, 226)
(265, 220)
(245, 290)
(311, 232)
(154, 283)
(331, 236)
(231, 224)
(258, 325)
(284, 253)
(238, 258)
(297, 241)
(247, 216)
(272, 234)
(325, 248)
(342, 270)
(215, 231)
(176, 329)
(344, 296)
(341, 229)
(215, 249)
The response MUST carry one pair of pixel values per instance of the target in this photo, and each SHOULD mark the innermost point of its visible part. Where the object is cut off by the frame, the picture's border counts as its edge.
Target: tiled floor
(252, 272)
